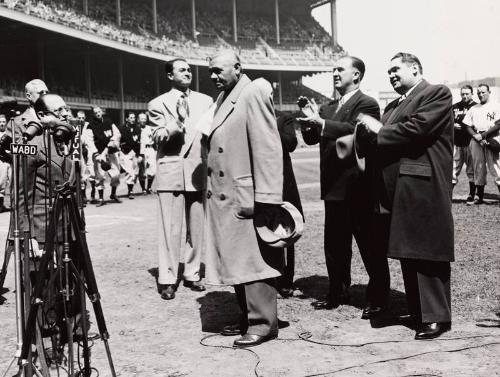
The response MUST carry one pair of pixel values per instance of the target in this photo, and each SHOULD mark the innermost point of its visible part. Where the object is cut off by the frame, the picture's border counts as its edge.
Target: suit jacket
(415, 154)
(244, 167)
(286, 128)
(340, 178)
(181, 158)
(33, 191)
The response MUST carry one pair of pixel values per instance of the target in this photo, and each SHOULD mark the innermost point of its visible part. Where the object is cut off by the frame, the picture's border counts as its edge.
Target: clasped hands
(310, 110)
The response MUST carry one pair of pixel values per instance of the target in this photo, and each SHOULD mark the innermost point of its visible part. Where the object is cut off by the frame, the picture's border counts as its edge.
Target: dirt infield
(152, 337)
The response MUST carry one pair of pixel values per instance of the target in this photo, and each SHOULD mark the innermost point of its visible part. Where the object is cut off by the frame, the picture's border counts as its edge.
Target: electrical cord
(306, 335)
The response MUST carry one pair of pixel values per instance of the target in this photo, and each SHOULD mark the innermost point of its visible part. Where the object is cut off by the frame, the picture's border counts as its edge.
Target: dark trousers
(427, 286)
(258, 304)
(343, 220)
(286, 279)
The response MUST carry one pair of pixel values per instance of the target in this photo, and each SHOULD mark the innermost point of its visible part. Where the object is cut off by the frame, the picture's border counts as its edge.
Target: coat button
(222, 197)
(209, 194)
(221, 174)
(221, 150)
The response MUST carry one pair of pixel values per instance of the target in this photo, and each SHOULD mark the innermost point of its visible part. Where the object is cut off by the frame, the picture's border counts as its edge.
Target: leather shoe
(332, 302)
(231, 330)
(285, 292)
(325, 304)
(196, 286)
(100, 203)
(250, 340)
(168, 292)
(115, 199)
(432, 330)
(371, 311)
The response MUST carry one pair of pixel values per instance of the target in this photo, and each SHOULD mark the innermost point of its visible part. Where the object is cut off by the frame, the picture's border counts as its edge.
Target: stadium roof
(92, 38)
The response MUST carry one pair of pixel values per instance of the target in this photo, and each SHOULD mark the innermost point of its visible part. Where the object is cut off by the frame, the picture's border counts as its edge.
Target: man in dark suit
(345, 191)
(286, 129)
(413, 151)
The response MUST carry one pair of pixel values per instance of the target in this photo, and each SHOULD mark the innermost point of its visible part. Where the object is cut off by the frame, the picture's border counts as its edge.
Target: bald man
(245, 179)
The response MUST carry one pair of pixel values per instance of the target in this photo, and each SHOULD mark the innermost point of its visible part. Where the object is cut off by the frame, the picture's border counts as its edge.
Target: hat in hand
(280, 228)
(347, 148)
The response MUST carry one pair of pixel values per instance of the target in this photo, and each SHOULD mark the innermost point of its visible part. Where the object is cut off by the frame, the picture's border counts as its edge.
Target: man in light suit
(181, 178)
(346, 193)
(413, 152)
(245, 183)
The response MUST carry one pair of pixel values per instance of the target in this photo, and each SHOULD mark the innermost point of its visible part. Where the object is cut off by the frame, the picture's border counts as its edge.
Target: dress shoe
(131, 196)
(100, 203)
(93, 201)
(332, 302)
(249, 340)
(285, 292)
(115, 199)
(432, 330)
(168, 292)
(325, 304)
(196, 286)
(231, 330)
(372, 311)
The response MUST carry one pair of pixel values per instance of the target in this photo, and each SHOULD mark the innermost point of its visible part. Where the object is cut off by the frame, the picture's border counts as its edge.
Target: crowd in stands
(174, 35)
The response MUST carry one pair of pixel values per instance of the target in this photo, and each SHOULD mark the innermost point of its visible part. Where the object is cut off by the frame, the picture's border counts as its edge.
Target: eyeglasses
(42, 92)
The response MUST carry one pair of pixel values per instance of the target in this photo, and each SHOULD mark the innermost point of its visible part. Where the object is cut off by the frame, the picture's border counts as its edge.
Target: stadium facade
(112, 52)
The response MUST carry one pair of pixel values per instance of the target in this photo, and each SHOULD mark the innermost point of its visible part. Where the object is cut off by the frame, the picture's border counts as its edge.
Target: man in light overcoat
(245, 182)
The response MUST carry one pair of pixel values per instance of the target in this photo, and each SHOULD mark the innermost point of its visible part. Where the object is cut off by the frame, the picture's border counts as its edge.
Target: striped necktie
(182, 108)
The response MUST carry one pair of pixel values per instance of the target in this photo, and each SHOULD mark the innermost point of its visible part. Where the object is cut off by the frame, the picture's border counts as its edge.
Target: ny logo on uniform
(108, 133)
(491, 116)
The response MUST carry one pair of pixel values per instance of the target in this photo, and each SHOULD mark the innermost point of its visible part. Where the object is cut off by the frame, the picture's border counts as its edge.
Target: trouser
(258, 304)
(427, 287)
(286, 279)
(343, 220)
(483, 158)
(147, 168)
(114, 172)
(128, 162)
(180, 231)
(4, 177)
(461, 156)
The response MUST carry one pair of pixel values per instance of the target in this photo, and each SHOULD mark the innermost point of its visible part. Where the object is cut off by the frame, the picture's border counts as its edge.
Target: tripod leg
(3, 273)
(88, 273)
(46, 260)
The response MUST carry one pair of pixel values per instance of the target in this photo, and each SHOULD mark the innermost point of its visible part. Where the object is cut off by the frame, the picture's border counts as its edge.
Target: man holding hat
(245, 182)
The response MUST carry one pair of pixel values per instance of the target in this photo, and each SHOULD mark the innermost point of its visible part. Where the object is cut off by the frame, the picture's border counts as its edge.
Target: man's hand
(160, 135)
(478, 137)
(370, 123)
(311, 112)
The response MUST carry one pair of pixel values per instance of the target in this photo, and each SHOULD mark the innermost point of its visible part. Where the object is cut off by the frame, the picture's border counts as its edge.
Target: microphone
(32, 129)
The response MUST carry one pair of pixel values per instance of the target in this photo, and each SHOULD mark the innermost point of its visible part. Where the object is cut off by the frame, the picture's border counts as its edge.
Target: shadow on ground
(218, 309)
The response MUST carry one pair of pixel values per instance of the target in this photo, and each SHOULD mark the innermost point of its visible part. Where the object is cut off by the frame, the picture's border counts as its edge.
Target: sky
(454, 39)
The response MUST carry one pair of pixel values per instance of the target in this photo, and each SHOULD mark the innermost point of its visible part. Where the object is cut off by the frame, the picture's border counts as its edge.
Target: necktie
(182, 108)
(340, 104)
(402, 98)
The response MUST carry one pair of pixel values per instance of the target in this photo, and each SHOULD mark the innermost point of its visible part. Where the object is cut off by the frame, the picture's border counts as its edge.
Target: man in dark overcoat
(413, 151)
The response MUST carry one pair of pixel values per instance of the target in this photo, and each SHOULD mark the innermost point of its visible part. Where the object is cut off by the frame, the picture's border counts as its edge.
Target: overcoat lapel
(399, 109)
(227, 106)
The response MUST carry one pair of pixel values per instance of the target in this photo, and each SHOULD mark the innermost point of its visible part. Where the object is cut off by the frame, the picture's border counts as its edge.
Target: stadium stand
(304, 47)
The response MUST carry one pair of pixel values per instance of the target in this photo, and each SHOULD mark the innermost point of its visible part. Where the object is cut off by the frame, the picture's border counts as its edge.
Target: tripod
(65, 207)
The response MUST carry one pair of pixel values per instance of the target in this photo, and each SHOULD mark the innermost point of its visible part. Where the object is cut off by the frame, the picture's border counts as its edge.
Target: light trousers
(180, 235)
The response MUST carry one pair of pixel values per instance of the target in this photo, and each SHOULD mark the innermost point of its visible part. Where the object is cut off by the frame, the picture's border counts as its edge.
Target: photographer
(104, 146)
